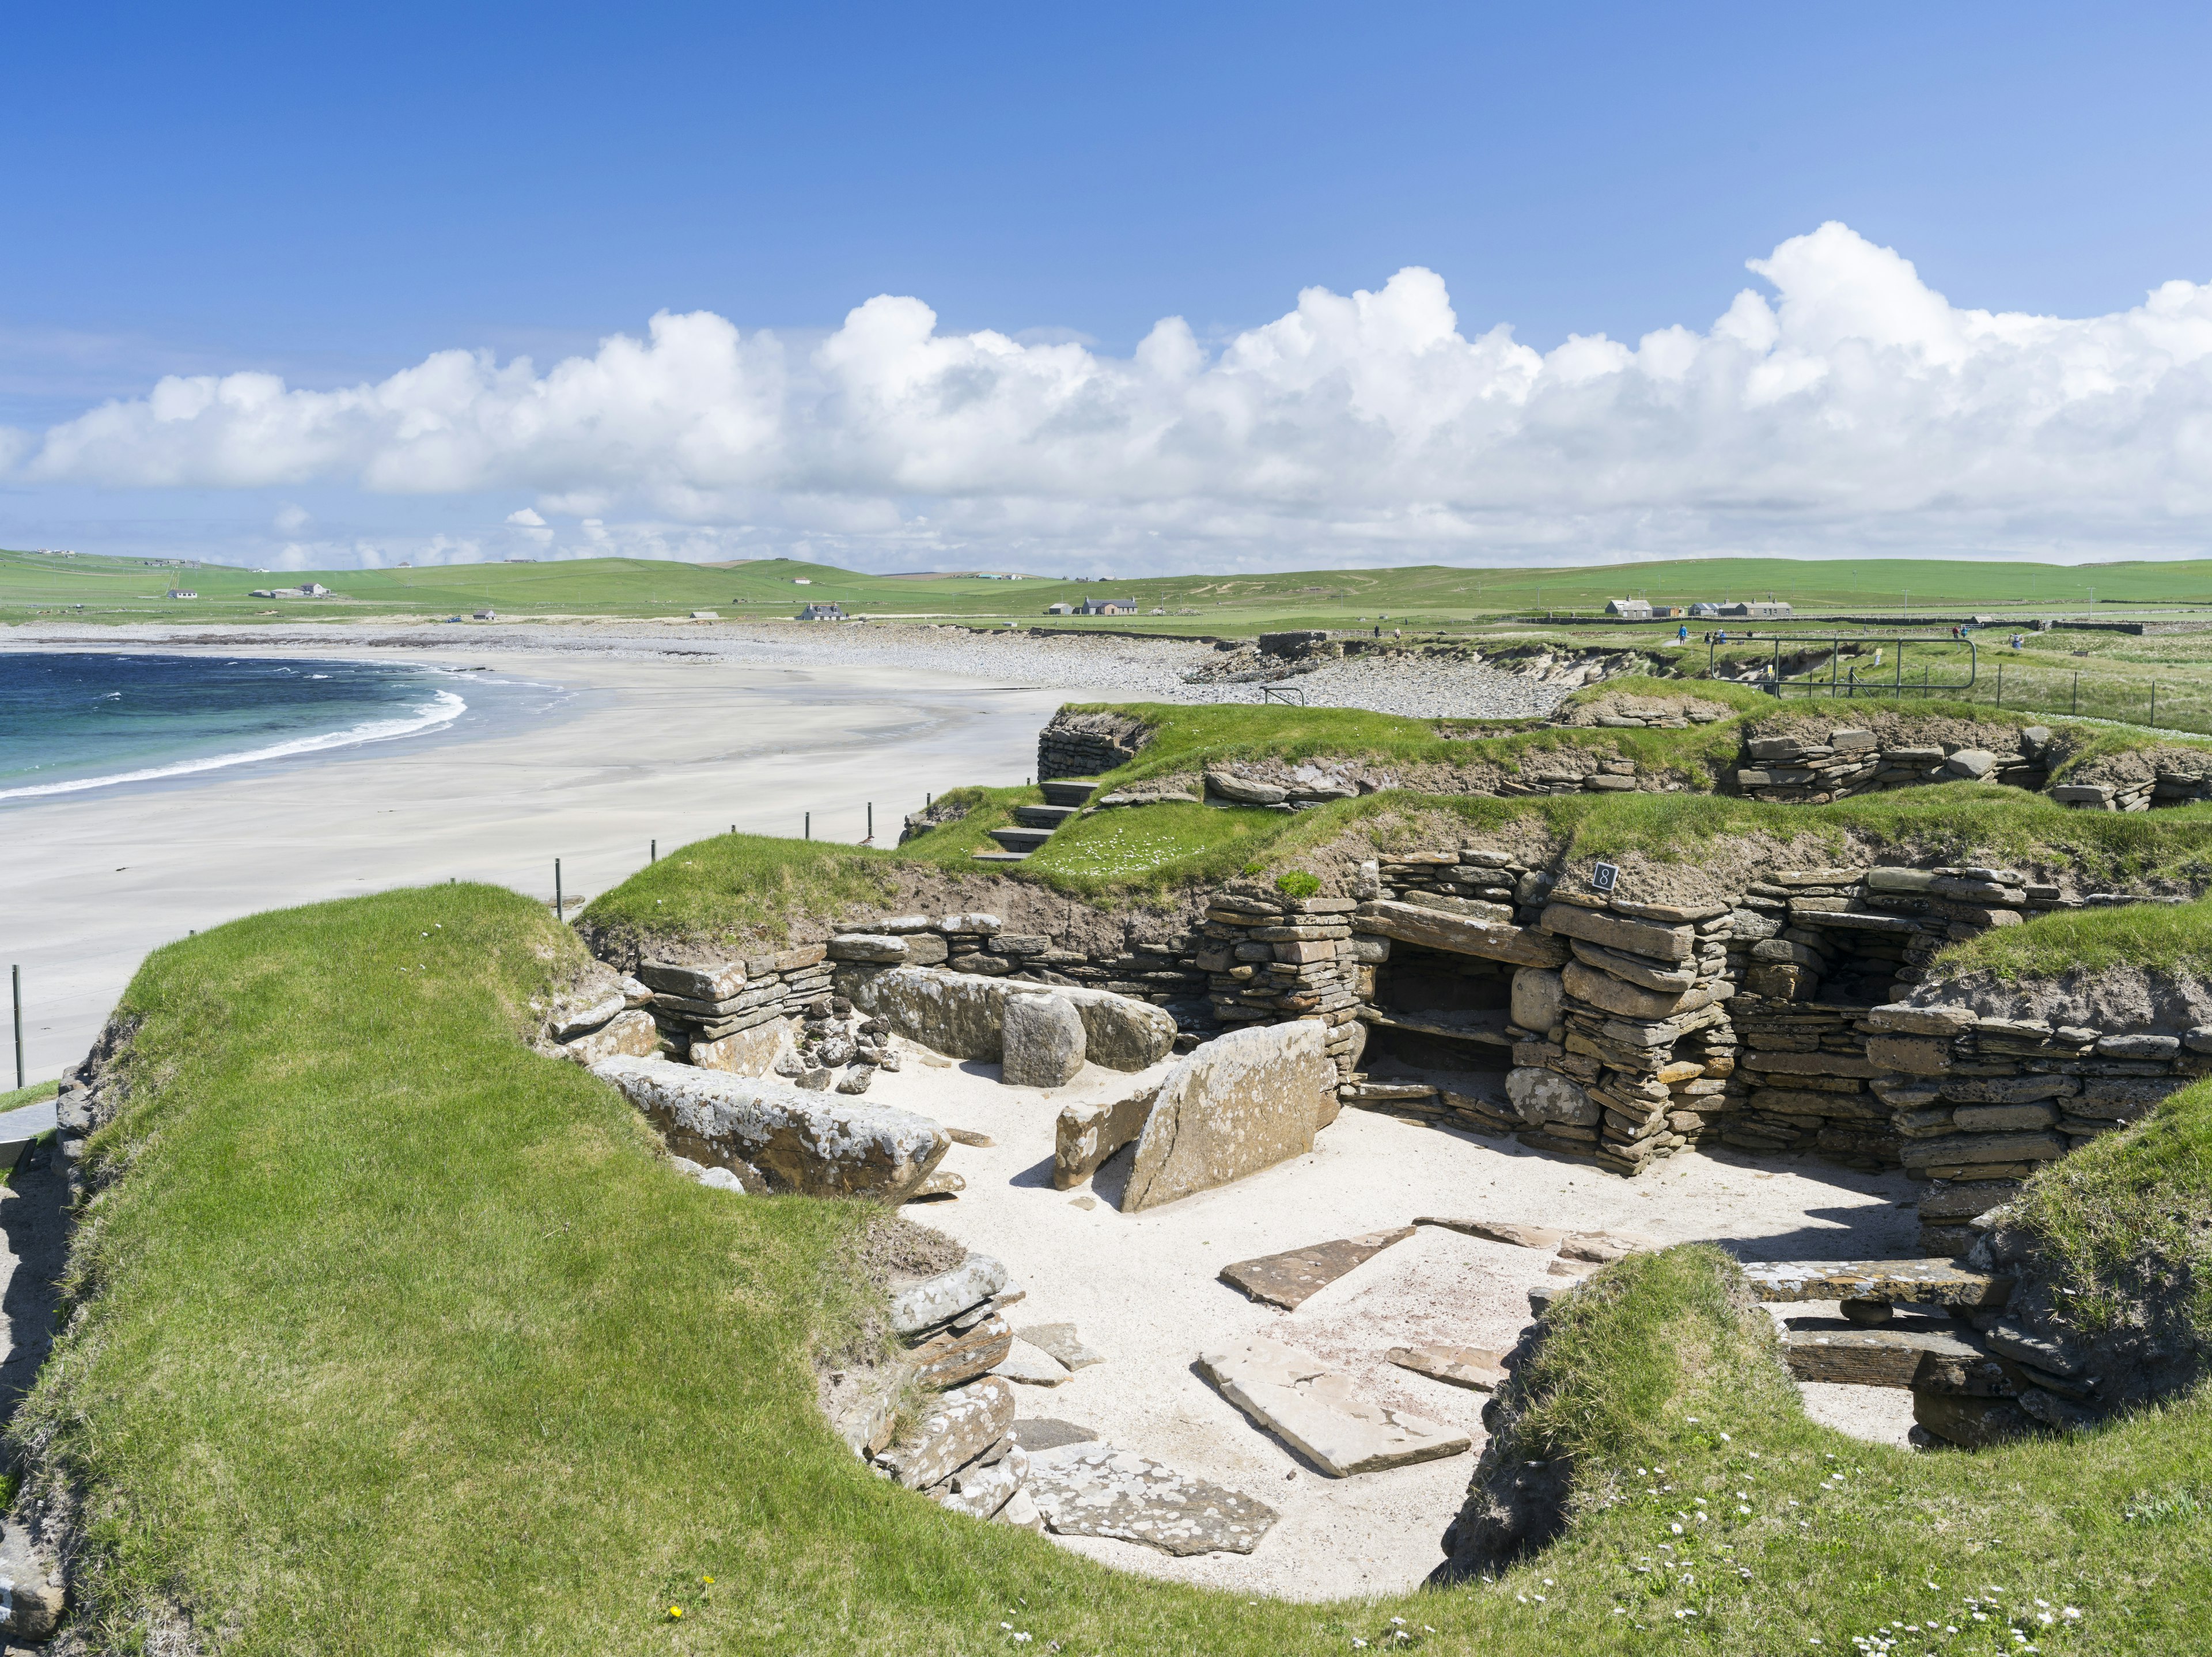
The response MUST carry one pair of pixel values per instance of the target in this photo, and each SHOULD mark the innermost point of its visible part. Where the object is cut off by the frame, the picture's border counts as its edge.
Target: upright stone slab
(628, 1035)
(1044, 1042)
(1538, 998)
(1238, 1103)
(748, 1053)
(963, 1015)
(1085, 1135)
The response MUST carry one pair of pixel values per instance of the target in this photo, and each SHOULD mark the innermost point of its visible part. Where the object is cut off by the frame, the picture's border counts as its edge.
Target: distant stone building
(1063, 608)
(822, 612)
(182, 593)
(1109, 607)
(1633, 609)
(1756, 610)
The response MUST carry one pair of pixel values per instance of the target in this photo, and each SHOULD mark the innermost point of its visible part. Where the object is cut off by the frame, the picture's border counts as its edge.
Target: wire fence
(2020, 684)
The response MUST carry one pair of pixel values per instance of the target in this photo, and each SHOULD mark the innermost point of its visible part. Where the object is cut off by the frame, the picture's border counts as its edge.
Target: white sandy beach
(665, 730)
(646, 746)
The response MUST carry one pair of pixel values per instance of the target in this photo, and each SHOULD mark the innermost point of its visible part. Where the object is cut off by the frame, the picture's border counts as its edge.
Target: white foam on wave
(443, 709)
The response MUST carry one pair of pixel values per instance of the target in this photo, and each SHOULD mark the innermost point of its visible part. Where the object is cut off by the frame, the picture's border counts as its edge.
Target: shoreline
(1129, 667)
(637, 747)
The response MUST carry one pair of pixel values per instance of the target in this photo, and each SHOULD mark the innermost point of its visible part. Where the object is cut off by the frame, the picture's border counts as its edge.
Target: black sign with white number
(1603, 876)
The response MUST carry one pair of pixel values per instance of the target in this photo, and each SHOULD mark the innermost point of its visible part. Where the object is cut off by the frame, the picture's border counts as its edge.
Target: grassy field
(395, 1337)
(2154, 680)
(1422, 597)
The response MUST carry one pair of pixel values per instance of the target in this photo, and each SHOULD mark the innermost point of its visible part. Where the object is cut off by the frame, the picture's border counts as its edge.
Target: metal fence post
(2153, 704)
(872, 821)
(557, 888)
(652, 851)
(15, 983)
(810, 826)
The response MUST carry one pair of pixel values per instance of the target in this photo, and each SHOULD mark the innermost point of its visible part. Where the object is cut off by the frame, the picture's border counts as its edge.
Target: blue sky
(331, 199)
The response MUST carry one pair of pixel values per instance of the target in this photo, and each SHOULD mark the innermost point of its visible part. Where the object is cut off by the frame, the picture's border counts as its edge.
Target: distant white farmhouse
(1063, 608)
(822, 612)
(1633, 609)
(1109, 607)
(182, 593)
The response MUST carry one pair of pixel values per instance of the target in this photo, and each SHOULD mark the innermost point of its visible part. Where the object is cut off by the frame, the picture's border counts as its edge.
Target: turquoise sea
(73, 721)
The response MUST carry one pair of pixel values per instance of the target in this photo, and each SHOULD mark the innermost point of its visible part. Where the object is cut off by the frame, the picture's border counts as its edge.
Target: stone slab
(1044, 1041)
(813, 1143)
(1600, 990)
(1634, 969)
(953, 1431)
(1025, 1363)
(1662, 943)
(631, 1034)
(1470, 1366)
(1232, 1106)
(1315, 1410)
(1919, 1282)
(1063, 1343)
(710, 981)
(1498, 1231)
(962, 1014)
(1459, 934)
(1879, 1357)
(1290, 1279)
(1085, 1135)
(1096, 1490)
(959, 1354)
(946, 1296)
(748, 1053)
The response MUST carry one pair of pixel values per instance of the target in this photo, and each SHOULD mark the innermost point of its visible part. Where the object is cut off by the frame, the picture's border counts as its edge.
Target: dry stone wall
(1814, 769)
(1087, 745)
(1790, 1015)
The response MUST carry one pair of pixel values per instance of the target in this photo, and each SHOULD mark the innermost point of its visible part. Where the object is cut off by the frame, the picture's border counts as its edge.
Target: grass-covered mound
(743, 886)
(736, 887)
(2173, 938)
(2123, 1227)
(394, 1336)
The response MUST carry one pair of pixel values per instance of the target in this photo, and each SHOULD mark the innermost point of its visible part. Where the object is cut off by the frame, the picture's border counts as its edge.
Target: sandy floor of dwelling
(1142, 1289)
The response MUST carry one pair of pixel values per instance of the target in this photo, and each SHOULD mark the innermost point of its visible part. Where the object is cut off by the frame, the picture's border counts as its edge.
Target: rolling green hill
(1427, 596)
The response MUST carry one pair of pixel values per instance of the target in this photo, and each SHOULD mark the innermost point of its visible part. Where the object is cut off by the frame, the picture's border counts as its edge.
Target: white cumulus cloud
(1848, 407)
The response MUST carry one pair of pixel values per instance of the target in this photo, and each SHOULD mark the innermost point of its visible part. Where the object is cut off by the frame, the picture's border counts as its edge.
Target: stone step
(1021, 840)
(1044, 817)
(1069, 790)
(1929, 1358)
(1912, 1282)
(998, 856)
